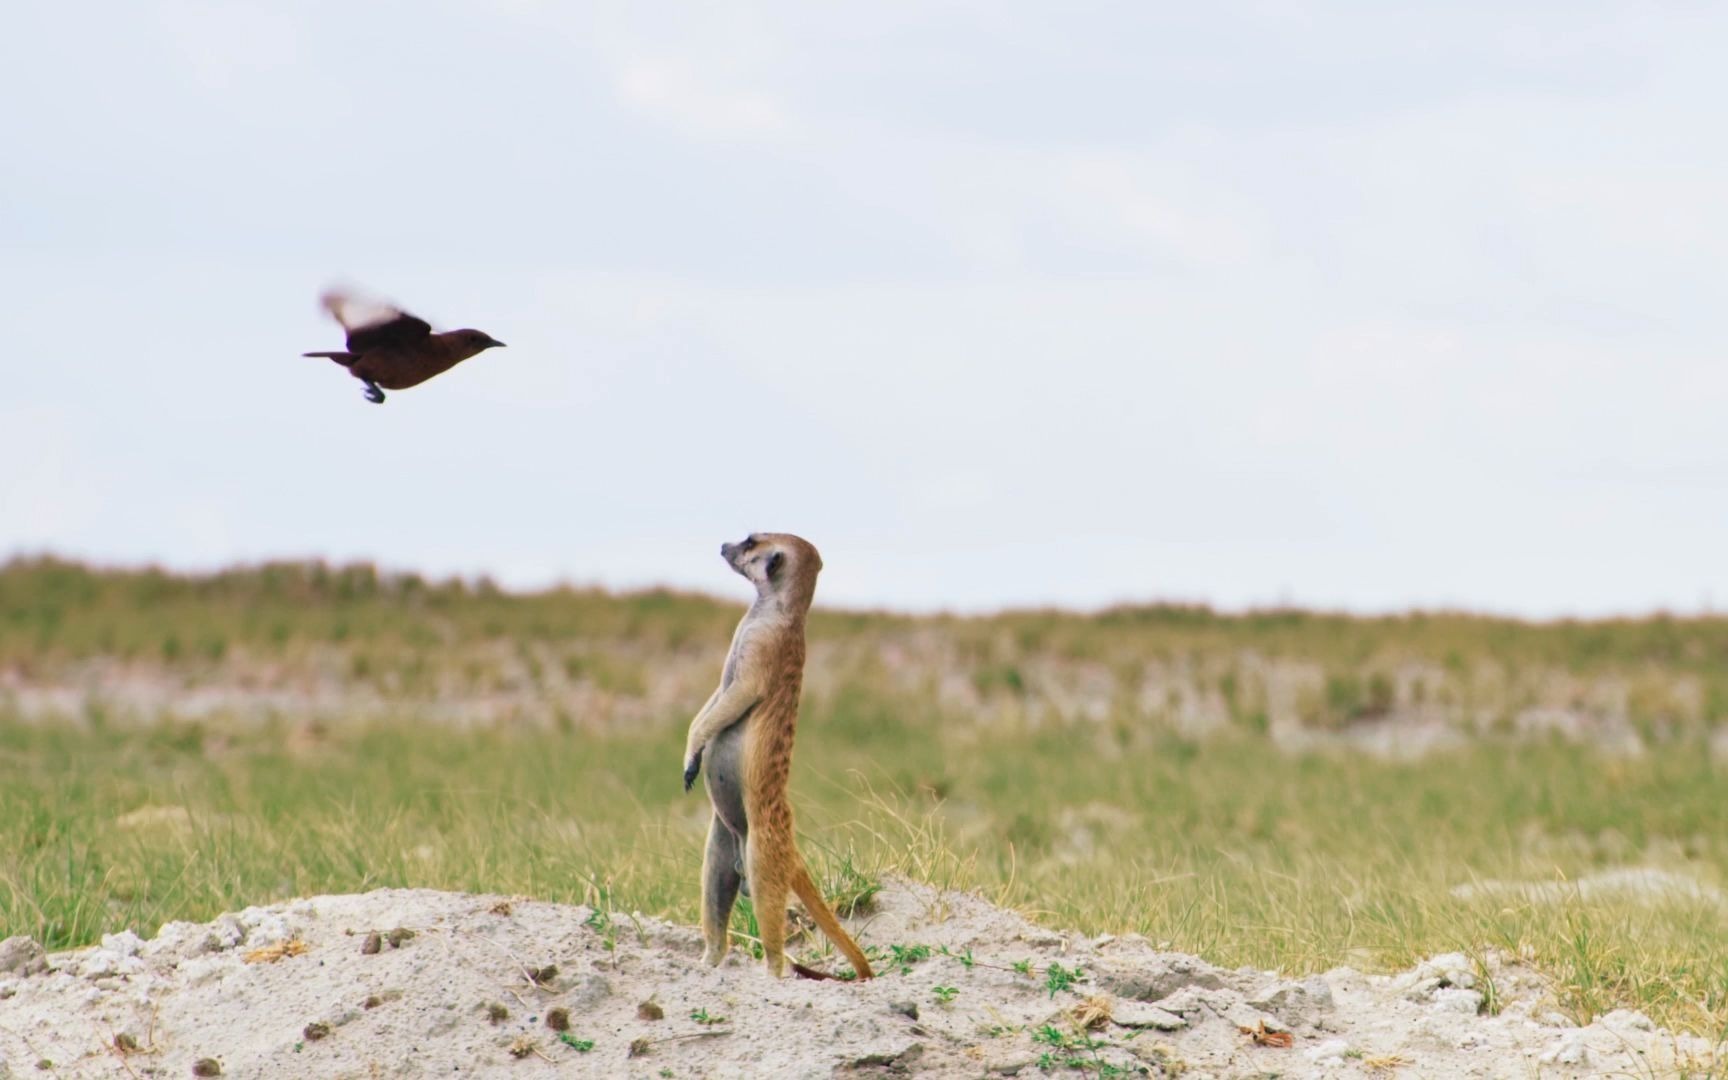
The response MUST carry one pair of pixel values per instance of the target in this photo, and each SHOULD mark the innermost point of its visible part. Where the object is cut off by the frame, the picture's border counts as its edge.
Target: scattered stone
(893, 1062)
(558, 1019)
(588, 991)
(496, 1013)
(1012, 1065)
(1452, 999)
(543, 976)
(650, 1010)
(1445, 970)
(1138, 1014)
(1155, 977)
(640, 1047)
(1627, 1018)
(1570, 1050)
(316, 1030)
(521, 1046)
(908, 1009)
(206, 1067)
(398, 936)
(1329, 1054)
(372, 944)
(117, 955)
(22, 955)
(1295, 1003)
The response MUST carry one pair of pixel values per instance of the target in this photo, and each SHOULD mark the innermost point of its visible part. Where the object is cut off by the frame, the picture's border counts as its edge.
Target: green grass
(1224, 848)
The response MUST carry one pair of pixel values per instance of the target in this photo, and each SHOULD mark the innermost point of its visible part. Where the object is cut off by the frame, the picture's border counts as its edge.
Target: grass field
(1224, 848)
(1098, 816)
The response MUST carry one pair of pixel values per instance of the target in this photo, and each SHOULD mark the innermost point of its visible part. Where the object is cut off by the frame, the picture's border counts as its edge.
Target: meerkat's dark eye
(749, 542)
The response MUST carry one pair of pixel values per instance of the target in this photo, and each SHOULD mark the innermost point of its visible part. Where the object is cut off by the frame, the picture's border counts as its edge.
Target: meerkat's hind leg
(769, 889)
(720, 881)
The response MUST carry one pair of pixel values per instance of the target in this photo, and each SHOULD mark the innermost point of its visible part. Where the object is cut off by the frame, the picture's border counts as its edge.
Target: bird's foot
(373, 394)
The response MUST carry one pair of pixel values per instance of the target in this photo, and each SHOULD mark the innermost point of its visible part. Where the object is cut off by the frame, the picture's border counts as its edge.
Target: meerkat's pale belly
(725, 774)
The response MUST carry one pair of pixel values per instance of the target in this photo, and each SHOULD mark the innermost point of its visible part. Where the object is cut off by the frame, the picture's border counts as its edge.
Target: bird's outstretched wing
(373, 324)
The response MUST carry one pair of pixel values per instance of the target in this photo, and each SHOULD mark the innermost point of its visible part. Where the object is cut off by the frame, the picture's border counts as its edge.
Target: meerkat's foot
(373, 394)
(712, 955)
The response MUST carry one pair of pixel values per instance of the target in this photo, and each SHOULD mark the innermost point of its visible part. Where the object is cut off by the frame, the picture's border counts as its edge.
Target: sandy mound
(324, 988)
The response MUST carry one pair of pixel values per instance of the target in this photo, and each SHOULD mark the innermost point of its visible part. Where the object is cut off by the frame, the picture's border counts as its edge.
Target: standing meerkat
(746, 732)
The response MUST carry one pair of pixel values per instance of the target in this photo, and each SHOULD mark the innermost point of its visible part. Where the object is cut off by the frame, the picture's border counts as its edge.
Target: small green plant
(904, 956)
(581, 1046)
(1023, 967)
(965, 958)
(601, 923)
(945, 994)
(1066, 1052)
(1057, 977)
(701, 1017)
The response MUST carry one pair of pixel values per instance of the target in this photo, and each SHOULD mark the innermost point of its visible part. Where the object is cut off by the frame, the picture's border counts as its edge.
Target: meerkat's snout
(736, 555)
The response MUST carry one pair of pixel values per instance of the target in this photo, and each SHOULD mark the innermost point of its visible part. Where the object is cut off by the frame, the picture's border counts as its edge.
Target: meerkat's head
(778, 564)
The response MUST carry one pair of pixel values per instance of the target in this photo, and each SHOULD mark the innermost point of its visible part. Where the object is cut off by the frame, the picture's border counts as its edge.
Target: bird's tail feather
(344, 358)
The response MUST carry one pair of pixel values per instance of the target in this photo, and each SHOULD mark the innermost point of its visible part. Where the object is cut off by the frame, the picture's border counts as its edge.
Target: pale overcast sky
(1358, 305)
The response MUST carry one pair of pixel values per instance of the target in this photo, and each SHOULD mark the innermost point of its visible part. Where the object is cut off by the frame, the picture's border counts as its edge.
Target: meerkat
(745, 731)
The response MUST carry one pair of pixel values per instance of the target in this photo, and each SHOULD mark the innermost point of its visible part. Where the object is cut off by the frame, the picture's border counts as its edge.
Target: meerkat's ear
(775, 561)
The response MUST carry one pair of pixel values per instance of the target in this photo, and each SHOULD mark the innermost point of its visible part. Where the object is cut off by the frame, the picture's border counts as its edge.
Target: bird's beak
(497, 345)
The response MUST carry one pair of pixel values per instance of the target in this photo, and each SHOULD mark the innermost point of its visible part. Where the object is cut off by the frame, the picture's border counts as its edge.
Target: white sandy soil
(290, 990)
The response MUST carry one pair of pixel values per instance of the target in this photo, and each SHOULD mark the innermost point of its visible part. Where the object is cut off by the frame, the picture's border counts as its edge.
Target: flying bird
(389, 349)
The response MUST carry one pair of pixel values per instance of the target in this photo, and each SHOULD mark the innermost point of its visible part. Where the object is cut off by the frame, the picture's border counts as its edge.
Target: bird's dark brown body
(389, 349)
(397, 367)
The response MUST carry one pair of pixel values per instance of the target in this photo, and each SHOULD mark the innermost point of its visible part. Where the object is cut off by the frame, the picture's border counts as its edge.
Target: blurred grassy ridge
(590, 659)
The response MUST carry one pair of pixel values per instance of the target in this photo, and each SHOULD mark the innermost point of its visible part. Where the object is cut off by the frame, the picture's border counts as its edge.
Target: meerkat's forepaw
(692, 766)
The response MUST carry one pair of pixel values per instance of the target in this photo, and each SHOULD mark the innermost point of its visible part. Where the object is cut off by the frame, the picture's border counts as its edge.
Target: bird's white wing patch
(355, 310)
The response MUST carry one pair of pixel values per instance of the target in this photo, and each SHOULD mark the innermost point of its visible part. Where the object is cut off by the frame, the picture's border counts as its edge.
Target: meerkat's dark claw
(691, 770)
(373, 394)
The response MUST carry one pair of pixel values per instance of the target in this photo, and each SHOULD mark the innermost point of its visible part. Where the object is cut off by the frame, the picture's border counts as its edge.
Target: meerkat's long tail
(818, 908)
(346, 359)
